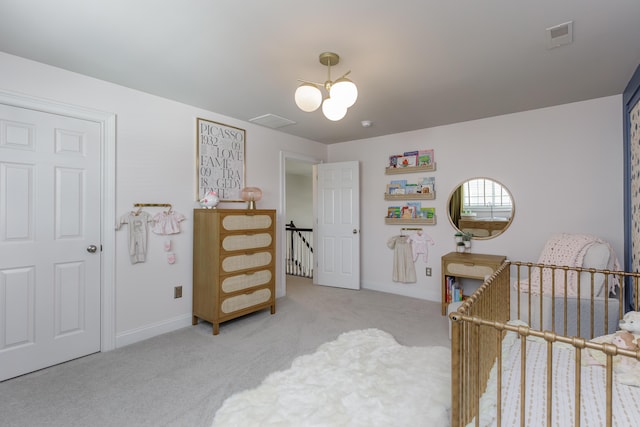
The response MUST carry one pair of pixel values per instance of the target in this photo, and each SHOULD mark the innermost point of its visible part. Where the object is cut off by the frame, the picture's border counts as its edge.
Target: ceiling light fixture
(342, 92)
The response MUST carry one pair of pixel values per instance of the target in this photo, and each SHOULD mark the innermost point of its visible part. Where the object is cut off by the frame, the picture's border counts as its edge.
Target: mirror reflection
(481, 206)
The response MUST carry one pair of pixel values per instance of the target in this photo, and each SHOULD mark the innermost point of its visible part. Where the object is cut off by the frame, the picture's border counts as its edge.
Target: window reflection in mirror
(481, 206)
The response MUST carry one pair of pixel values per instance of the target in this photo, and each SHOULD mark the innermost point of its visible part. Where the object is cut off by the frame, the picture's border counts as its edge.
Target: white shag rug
(363, 378)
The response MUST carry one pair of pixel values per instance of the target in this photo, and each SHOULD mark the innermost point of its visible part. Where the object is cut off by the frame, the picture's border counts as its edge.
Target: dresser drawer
(240, 302)
(246, 222)
(238, 262)
(468, 269)
(241, 282)
(238, 242)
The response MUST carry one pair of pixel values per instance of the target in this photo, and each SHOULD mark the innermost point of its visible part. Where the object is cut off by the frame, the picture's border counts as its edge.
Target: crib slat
(609, 388)
(549, 381)
(523, 380)
(578, 382)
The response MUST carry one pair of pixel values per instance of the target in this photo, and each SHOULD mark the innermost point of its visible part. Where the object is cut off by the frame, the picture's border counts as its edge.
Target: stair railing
(299, 256)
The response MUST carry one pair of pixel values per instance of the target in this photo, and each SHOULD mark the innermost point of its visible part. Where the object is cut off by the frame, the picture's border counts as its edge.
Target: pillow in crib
(597, 256)
(594, 357)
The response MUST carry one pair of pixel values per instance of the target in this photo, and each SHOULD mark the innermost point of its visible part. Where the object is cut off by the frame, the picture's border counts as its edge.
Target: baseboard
(150, 331)
(403, 289)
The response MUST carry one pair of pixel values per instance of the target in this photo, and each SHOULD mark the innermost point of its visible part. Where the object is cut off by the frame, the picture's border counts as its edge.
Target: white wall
(562, 164)
(156, 164)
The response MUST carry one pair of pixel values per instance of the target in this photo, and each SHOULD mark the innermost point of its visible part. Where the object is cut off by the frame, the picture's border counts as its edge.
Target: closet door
(49, 239)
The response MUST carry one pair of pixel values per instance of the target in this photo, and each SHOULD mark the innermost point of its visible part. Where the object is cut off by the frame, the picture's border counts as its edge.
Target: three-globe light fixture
(342, 92)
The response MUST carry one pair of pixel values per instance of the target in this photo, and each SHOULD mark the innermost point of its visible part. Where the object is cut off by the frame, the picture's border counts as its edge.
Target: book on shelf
(450, 282)
(393, 212)
(412, 189)
(425, 158)
(392, 188)
(457, 293)
(400, 182)
(416, 208)
(428, 184)
(393, 160)
(427, 213)
(407, 161)
(408, 212)
(453, 290)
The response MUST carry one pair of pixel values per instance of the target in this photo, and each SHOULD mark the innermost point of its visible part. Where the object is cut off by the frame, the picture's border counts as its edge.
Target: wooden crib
(489, 350)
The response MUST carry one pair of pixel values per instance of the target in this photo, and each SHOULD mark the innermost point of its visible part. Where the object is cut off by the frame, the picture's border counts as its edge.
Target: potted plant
(466, 241)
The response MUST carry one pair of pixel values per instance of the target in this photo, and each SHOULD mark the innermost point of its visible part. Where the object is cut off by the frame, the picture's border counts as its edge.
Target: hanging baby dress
(166, 223)
(418, 243)
(404, 269)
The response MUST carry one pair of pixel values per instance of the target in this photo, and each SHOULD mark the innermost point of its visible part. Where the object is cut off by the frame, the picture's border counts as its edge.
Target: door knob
(92, 249)
(355, 231)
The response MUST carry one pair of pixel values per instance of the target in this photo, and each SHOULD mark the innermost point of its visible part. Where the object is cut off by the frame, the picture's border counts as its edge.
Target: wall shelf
(410, 169)
(416, 196)
(408, 221)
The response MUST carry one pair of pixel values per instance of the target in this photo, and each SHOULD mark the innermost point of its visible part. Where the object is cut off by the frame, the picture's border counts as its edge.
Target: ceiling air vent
(560, 35)
(272, 121)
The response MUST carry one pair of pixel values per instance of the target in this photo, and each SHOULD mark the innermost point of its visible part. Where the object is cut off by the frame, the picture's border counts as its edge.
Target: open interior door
(337, 228)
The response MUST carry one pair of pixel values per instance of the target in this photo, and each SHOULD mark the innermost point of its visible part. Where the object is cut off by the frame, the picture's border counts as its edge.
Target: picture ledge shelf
(410, 169)
(415, 196)
(400, 221)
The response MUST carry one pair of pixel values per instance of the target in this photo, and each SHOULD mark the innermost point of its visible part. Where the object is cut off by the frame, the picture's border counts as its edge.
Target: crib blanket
(568, 250)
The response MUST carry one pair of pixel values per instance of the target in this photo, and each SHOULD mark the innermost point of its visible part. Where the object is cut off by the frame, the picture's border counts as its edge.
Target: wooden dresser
(467, 265)
(233, 263)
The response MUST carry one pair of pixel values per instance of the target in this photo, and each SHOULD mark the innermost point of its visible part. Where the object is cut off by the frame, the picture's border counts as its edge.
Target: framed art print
(220, 160)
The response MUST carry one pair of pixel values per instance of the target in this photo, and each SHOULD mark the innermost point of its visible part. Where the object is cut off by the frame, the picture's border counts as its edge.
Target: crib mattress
(626, 399)
(604, 321)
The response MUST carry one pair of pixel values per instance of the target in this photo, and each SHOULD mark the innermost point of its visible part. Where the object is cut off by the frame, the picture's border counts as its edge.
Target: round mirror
(482, 207)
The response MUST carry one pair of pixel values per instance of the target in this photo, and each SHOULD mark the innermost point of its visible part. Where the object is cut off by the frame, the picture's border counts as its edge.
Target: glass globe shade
(308, 97)
(332, 110)
(251, 193)
(344, 91)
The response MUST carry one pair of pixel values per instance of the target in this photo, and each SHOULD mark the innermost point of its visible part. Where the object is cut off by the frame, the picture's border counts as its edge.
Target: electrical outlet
(428, 272)
(177, 292)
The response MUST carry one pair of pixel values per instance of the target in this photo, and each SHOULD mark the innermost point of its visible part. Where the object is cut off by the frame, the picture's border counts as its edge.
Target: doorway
(297, 200)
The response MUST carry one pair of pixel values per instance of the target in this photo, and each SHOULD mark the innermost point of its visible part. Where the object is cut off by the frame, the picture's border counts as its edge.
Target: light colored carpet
(362, 379)
(182, 378)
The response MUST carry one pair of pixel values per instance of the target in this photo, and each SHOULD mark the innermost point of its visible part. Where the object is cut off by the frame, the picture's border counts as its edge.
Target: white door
(49, 227)
(337, 224)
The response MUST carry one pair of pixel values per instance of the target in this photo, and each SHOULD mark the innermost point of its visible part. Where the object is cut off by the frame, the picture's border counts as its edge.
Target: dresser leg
(194, 320)
(216, 328)
(273, 309)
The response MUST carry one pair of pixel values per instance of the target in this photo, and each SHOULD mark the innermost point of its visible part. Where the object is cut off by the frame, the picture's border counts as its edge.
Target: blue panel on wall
(631, 132)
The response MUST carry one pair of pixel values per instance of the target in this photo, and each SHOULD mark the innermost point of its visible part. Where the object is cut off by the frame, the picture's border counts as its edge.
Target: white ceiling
(417, 63)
